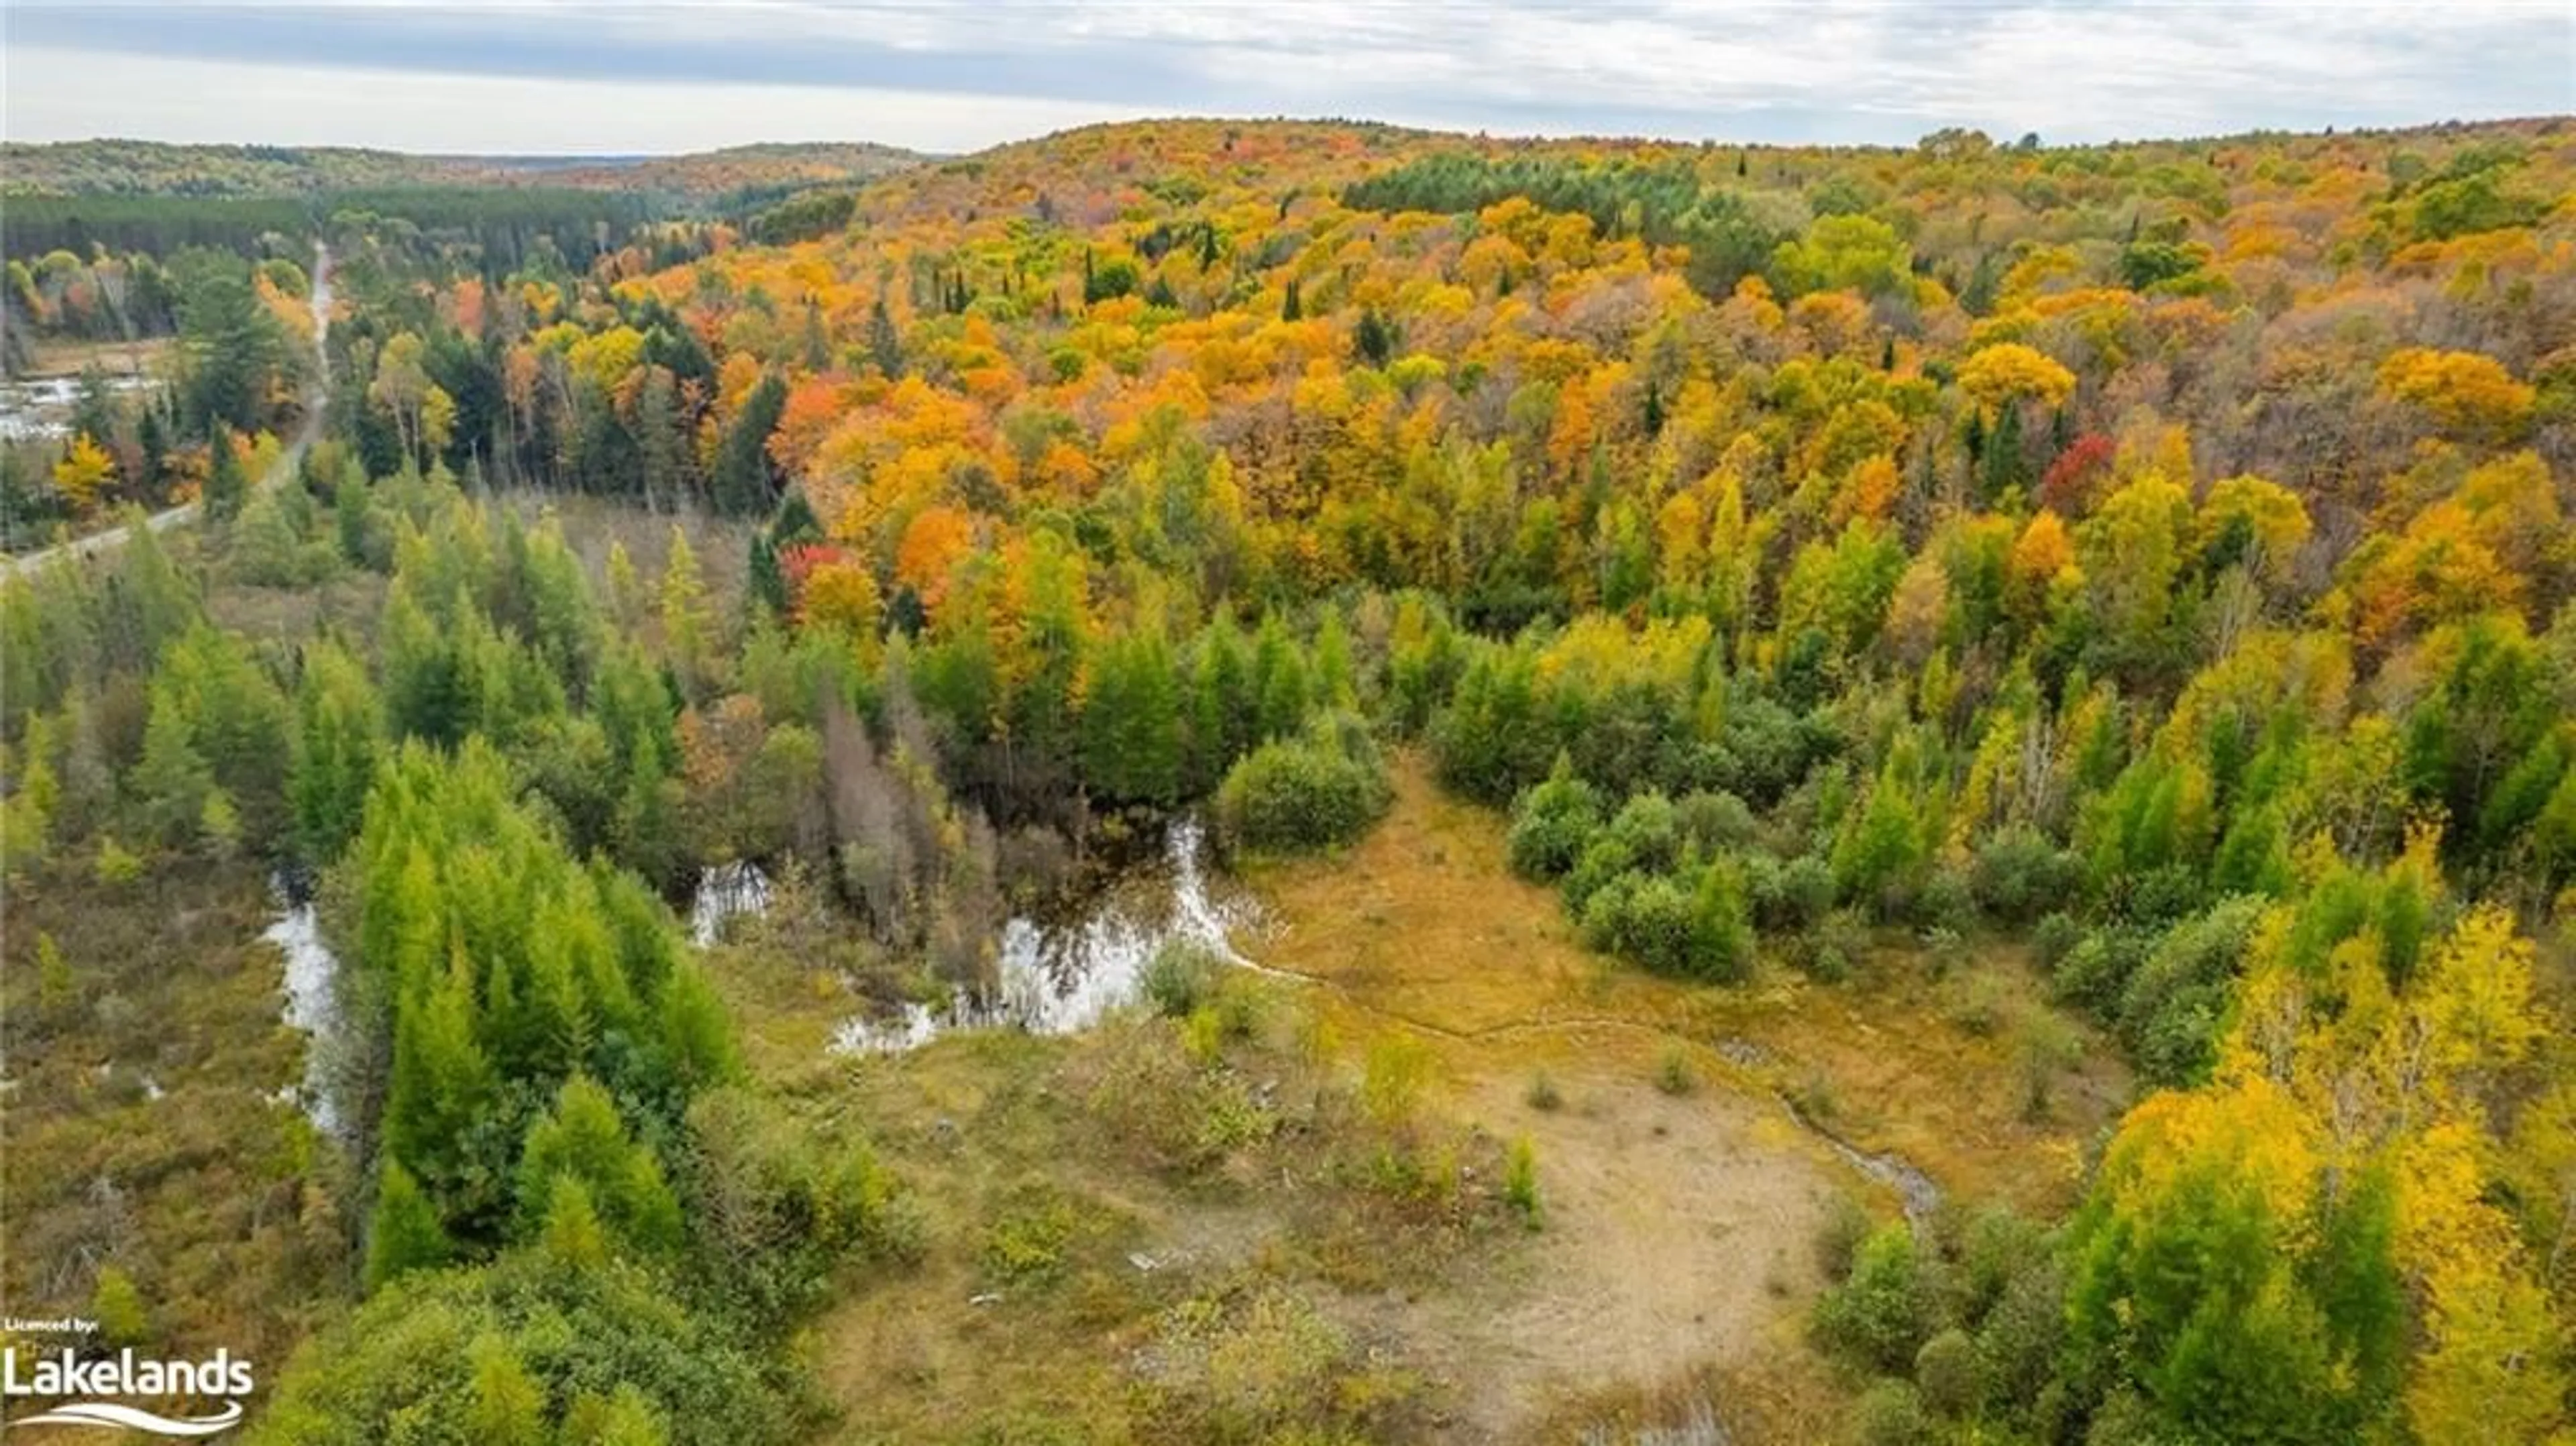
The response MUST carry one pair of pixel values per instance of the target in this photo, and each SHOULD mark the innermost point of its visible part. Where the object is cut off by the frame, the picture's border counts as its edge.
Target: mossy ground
(143, 1121)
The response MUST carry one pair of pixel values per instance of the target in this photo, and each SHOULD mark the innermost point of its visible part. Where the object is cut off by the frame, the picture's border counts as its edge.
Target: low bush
(2170, 1009)
(2020, 874)
(1696, 930)
(1520, 1181)
(1649, 827)
(1890, 1413)
(1839, 1236)
(1881, 1316)
(1644, 919)
(1717, 821)
(1265, 1364)
(775, 1208)
(1673, 1073)
(1945, 1372)
(1792, 895)
(1179, 978)
(1322, 788)
(1028, 1239)
(1552, 825)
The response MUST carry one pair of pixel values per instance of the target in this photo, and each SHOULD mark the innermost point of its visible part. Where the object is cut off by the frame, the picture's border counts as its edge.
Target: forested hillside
(2136, 579)
(153, 168)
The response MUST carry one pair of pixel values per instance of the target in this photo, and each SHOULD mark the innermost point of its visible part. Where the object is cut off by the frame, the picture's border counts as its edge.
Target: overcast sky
(572, 76)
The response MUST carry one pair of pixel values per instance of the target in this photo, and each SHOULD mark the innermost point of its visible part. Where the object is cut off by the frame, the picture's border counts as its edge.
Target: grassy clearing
(1184, 1228)
(1461, 1181)
(67, 358)
(1935, 1057)
(1681, 1200)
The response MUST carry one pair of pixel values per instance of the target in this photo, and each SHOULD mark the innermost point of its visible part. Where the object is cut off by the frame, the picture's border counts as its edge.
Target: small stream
(312, 1001)
(1055, 977)
(1914, 1189)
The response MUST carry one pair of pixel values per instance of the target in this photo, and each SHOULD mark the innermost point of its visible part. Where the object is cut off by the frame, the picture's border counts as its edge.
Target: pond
(312, 1000)
(39, 408)
(1058, 976)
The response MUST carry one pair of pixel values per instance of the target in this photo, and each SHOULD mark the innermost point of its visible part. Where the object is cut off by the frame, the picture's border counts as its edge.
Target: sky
(584, 77)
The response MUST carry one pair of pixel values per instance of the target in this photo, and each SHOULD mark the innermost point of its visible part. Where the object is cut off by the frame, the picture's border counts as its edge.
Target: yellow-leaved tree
(83, 473)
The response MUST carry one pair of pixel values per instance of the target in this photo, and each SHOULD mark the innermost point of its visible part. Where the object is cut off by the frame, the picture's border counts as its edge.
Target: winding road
(314, 399)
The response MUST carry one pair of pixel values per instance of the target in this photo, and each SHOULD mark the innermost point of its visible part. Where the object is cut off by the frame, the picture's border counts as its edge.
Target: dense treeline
(1663, 203)
(208, 172)
(502, 223)
(32, 225)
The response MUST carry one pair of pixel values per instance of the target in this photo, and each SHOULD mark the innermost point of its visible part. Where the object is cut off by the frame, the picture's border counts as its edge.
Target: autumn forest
(1281, 782)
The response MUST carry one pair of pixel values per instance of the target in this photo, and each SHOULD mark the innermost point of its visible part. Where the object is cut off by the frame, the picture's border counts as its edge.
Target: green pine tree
(173, 779)
(226, 484)
(404, 1233)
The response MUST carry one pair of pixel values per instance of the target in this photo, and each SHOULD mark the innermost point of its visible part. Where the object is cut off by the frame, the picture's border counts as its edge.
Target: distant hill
(154, 168)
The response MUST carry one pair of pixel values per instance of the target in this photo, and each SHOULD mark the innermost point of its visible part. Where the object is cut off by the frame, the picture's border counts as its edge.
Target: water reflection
(726, 891)
(312, 1000)
(1058, 978)
(40, 408)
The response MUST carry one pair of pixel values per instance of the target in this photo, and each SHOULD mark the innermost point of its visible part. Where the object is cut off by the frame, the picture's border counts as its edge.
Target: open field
(65, 358)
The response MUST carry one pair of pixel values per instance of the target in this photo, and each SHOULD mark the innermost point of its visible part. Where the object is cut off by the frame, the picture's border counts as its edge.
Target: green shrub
(1881, 1316)
(2095, 972)
(1543, 1094)
(1839, 1236)
(1027, 1240)
(1393, 1075)
(118, 1308)
(1673, 1072)
(1944, 902)
(1179, 978)
(1645, 919)
(1693, 930)
(1553, 823)
(2170, 1008)
(1790, 896)
(1265, 1365)
(1322, 788)
(1833, 950)
(777, 1206)
(2019, 874)
(2054, 937)
(1606, 858)
(1520, 1180)
(1650, 829)
(1717, 821)
(116, 866)
(1945, 1372)
(2020, 1341)
(1721, 931)
(1890, 1413)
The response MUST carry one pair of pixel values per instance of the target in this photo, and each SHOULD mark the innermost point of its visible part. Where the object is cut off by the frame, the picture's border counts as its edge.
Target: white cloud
(63, 95)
